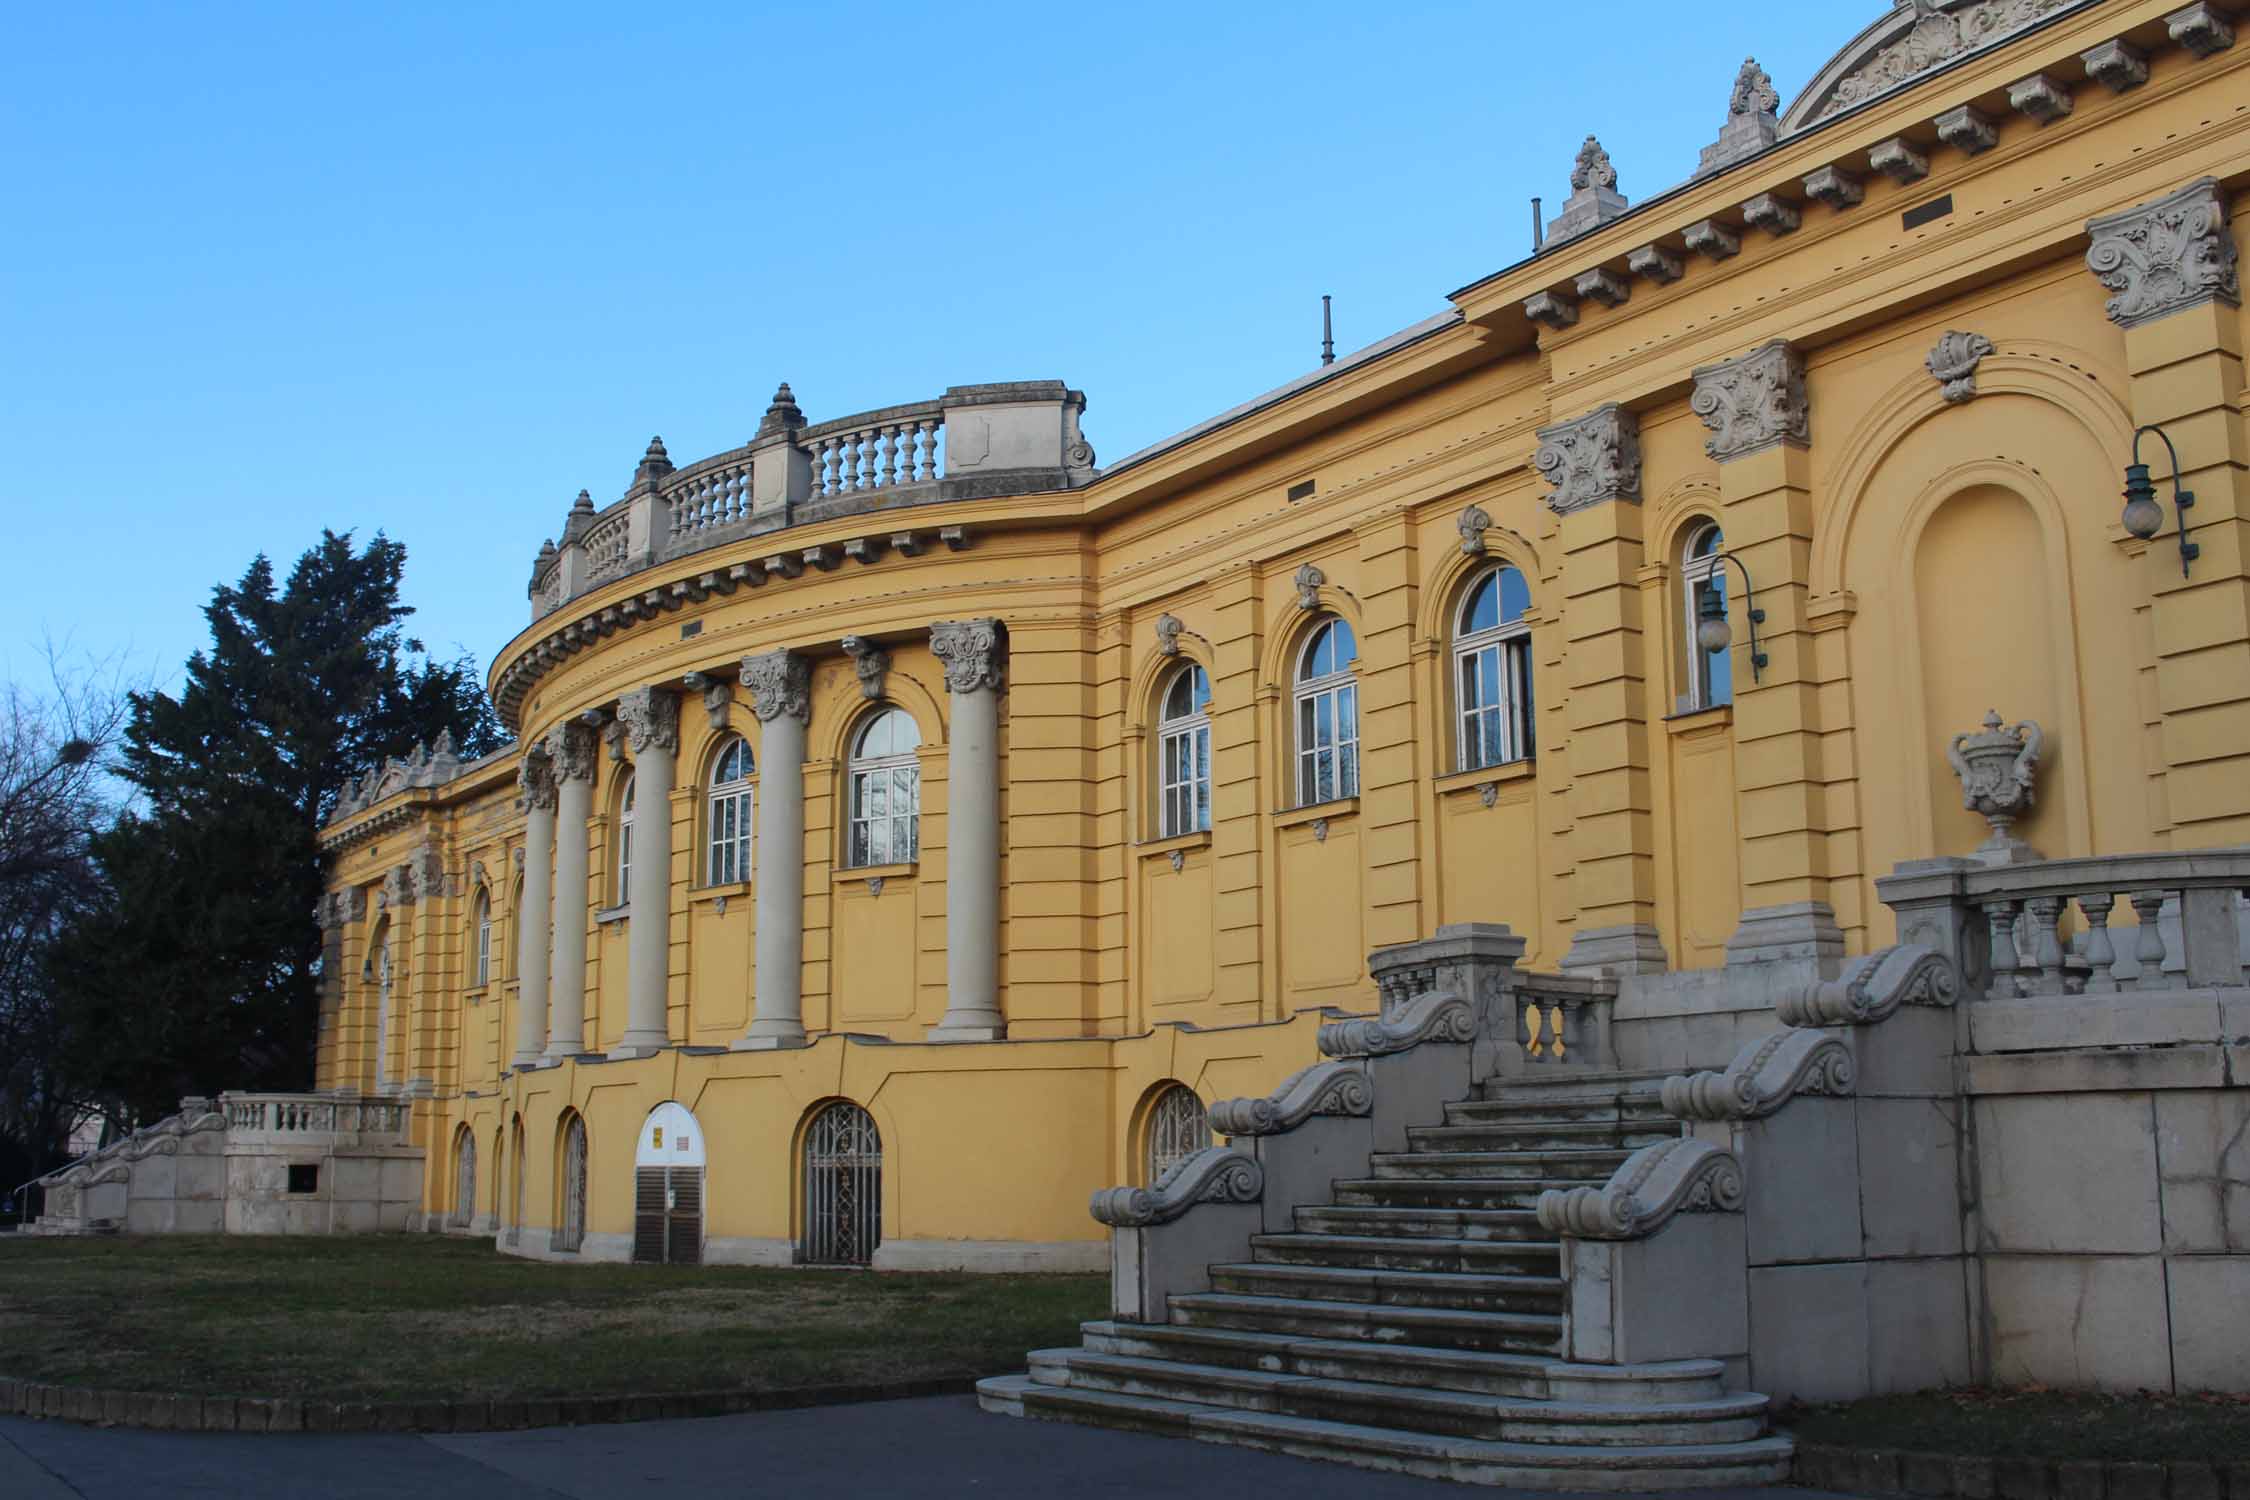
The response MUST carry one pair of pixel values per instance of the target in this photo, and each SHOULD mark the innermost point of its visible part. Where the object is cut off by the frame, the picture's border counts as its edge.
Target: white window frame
(1183, 758)
(625, 796)
(729, 813)
(484, 938)
(1700, 575)
(1509, 646)
(900, 775)
(1335, 697)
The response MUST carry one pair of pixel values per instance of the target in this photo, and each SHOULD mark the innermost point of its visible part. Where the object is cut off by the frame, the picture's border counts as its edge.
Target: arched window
(515, 1173)
(1710, 674)
(480, 921)
(886, 791)
(1183, 753)
(843, 1187)
(727, 814)
(465, 1179)
(1178, 1127)
(1327, 698)
(623, 823)
(570, 1226)
(1492, 670)
(508, 951)
(379, 985)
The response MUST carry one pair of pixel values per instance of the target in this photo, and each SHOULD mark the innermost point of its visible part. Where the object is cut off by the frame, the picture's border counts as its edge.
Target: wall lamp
(1711, 631)
(2144, 517)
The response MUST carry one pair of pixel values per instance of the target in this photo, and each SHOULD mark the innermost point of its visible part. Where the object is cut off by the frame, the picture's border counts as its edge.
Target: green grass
(416, 1317)
(2036, 1423)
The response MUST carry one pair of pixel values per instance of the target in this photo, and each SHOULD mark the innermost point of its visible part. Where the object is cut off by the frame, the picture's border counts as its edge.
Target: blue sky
(433, 269)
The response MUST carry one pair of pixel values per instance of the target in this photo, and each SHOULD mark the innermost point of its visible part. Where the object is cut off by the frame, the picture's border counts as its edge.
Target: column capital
(971, 650)
(2165, 256)
(1591, 459)
(651, 716)
(535, 780)
(780, 682)
(1753, 401)
(571, 748)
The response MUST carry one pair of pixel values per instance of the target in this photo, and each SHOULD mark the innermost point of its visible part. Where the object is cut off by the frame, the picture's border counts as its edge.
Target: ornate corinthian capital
(572, 747)
(535, 779)
(2165, 256)
(780, 682)
(1753, 402)
(1592, 458)
(651, 716)
(970, 651)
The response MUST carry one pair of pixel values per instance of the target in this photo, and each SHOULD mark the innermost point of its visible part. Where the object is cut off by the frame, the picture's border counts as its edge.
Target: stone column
(535, 789)
(1594, 464)
(651, 716)
(971, 653)
(572, 750)
(2174, 272)
(1760, 420)
(780, 684)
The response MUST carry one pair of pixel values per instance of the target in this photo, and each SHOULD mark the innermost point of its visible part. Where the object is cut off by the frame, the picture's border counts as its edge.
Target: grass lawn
(419, 1317)
(2035, 1423)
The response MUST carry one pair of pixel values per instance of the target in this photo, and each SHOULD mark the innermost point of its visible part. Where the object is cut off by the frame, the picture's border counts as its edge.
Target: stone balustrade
(281, 1119)
(894, 448)
(1565, 1018)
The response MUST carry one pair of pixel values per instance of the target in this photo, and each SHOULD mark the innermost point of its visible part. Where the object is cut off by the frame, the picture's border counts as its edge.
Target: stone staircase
(1415, 1323)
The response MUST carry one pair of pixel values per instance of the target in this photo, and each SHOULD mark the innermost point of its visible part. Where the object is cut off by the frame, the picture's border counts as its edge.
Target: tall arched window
(1492, 670)
(515, 1171)
(1178, 1127)
(727, 814)
(1710, 674)
(480, 919)
(843, 1187)
(886, 791)
(1183, 753)
(570, 1226)
(1327, 699)
(508, 949)
(623, 824)
(379, 985)
(465, 1179)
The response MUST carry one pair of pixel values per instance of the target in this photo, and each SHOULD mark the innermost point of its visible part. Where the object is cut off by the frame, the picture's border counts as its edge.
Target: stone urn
(1997, 769)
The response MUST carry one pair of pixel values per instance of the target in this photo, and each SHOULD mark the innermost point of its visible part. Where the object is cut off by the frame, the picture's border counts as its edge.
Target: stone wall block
(1917, 1325)
(2203, 1151)
(1150, 1265)
(2062, 1172)
(1909, 1176)
(1413, 1087)
(2210, 1321)
(1801, 1182)
(1808, 1332)
(2078, 1320)
(1302, 1165)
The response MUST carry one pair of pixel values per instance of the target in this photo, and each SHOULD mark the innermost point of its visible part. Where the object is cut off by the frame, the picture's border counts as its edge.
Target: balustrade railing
(703, 497)
(1564, 1018)
(311, 1114)
(607, 542)
(887, 449)
(2052, 926)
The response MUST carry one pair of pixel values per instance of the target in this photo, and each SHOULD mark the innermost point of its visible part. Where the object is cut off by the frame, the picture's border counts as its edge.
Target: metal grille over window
(1710, 674)
(1183, 753)
(843, 1187)
(484, 939)
(624, 828)
(1178, 1127)
(571, 1232)
(465, 1180)
(727, 815)
(1327, 697)
(886, 791)
(1492, 670)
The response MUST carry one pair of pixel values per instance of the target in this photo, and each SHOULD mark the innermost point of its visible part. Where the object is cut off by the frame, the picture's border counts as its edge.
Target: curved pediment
(1914, 38)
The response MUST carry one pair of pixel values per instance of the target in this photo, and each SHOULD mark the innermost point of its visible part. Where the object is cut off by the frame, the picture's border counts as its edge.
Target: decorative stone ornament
(1872, 986)
(1434, 1016)
(2166, 256)
(1833, 186)
(718, 696)
(870, 662)
(780, 682)
(1998, 769)
(1967, 131)
(651, 716)
(1216, 1174)
(570, 748)
(655, 463)
(783, 414)
(1918, 36)
(1753, 402)
(1591, 459)
(970, 651)
(1898, 161)
(1654, 1184)
(1474, 523)
(1655, 263)
(613, 740)
(1711, 239)
(1751, 125)
(1603, 286)
(1954, 363)
(1168, 628)
(535, 780)
(1551, 310)
(2040, 97)
(2119, 65)
(1594, 198)
(1309, 581)
(1772, 214)
(2200, 28)
(1764, 1076)
(1325, 1088)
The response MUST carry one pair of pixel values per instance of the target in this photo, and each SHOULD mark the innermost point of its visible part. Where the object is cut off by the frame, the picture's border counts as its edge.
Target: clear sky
(431, 269)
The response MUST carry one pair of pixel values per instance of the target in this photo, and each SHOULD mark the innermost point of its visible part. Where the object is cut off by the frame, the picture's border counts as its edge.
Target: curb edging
(1888, 1471)
(163, 1411)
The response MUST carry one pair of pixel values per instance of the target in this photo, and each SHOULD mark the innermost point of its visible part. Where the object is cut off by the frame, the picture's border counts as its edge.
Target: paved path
(940, 1446)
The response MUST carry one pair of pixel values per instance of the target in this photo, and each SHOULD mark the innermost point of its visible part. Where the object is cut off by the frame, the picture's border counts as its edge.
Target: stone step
(1449, 1192)
(1545, 1466)
(1450, 1328)
(1586, 1164)
(1466, 1291)
(1522, 1109)
(1541, 1135)
(1421, 1365)
(1497, 1225)
(1720, 1419)
(1402, 1252)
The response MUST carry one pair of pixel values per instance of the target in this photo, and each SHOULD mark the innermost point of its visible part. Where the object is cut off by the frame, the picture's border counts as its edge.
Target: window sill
(612, 914)
(475, 994)
(1717, 716)
(728, 892)
(1341, 807)
(1178, 843)
(1503, 773)
(859, 874)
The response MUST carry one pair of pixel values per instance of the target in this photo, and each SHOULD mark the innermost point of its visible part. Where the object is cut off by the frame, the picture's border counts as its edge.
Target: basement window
(304, 1178)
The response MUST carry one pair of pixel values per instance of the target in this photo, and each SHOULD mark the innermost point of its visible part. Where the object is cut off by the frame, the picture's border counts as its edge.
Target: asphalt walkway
(939, 1446)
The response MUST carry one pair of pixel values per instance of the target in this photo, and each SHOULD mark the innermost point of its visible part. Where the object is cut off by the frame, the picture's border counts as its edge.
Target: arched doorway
(465, 1179)
(668, 1188)
(570, 1224)
(843, 1187)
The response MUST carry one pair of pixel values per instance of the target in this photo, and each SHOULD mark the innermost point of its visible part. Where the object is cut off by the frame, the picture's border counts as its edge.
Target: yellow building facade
(920, 825)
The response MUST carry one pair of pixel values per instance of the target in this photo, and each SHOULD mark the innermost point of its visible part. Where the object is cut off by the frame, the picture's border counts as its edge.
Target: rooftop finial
(1594, 198)
(1753, 91)
(655, 463)
(584, 502)
(1593, 169)
(782, 414)
(1751, 124)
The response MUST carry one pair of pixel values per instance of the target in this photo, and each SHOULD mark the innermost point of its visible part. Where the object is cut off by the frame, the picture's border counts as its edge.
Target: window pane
(1346, 647)
(1515, 595)
(1482, 612)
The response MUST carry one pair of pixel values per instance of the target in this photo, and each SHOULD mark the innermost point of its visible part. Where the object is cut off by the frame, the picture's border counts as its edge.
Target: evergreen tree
(200, 969)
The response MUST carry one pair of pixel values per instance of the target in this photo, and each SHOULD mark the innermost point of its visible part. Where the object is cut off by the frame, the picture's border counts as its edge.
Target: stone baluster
(651, 716)
(780, 684)
(2002, 917)
(924, 465)
(2046, 913)
(890, 454)
(535, 787)
(2101, 957)
(571, 749)
(2148, 947)
(971, 652)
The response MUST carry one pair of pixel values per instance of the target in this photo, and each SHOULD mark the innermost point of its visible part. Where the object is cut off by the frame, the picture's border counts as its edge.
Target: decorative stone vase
(1997, 770)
